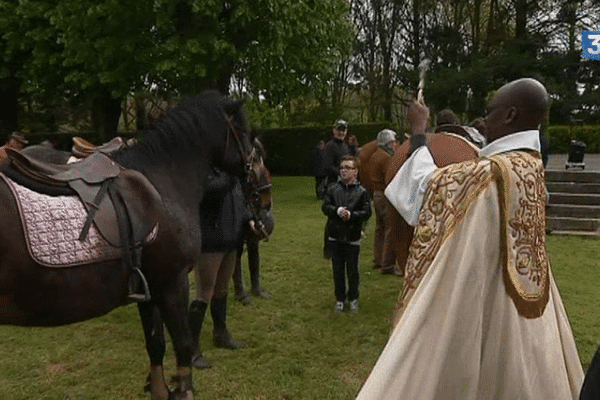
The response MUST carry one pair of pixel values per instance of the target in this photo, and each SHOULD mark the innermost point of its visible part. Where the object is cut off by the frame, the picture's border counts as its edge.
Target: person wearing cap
(383, 249)
(15, 141)
(334, 150)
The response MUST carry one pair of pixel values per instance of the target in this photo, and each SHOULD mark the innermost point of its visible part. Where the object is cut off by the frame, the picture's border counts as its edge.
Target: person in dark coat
(317, 168)
(334, 150)
(347, 206)
(223, 215)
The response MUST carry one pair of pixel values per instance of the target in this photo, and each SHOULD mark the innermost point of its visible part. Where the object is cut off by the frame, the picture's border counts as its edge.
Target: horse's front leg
(175, 313)
(155, 346)
(254, 267)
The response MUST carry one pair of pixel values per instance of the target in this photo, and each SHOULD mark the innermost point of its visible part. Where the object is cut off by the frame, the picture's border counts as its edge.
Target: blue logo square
(590, 42)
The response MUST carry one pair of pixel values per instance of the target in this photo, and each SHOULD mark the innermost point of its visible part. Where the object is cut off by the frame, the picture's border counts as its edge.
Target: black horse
(174, 155)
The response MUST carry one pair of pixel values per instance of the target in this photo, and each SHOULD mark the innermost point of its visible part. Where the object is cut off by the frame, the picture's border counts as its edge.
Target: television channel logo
(590, 42)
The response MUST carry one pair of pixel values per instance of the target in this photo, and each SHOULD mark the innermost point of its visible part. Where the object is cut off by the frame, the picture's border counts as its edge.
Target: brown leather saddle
(122, 203)
(82, 148)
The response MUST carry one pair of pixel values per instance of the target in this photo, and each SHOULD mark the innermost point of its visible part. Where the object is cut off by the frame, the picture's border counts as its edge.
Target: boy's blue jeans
(344, 260)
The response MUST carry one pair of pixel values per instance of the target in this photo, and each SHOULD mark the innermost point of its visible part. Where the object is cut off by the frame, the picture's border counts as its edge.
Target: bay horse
(260, 200)
(174, 155)
(446, 148)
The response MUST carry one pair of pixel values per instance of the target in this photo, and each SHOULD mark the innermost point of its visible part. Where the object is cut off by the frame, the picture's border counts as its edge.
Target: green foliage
(560, 136)
(297, 347)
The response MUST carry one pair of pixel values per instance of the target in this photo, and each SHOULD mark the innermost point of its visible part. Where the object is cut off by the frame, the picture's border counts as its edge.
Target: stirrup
(139, 297)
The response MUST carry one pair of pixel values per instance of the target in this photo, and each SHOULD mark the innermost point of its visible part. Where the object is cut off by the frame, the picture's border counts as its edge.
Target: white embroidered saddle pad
(52, 225)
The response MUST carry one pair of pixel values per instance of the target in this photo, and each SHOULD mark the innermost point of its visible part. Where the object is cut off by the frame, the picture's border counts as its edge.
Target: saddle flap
(95, 168)
(105, 217)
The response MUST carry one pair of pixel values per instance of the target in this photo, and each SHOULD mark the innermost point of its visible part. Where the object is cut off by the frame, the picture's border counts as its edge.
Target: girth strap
(93, 207)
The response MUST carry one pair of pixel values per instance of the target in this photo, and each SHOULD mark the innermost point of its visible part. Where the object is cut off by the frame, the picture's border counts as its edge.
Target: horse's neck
(179, 181)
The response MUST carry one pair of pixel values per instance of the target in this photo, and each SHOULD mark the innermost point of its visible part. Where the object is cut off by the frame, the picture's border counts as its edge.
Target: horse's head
(258, 181)
(239, 140)
(257, 189)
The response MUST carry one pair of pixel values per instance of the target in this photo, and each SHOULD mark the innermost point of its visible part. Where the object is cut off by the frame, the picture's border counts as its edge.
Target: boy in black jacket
(347, 206)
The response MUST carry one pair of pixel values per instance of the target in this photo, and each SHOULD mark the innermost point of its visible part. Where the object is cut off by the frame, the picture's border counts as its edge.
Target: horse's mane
(183, 130)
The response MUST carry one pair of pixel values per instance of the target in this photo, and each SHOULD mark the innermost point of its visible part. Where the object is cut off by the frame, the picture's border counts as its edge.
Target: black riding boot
(196, 317)
(221, 336)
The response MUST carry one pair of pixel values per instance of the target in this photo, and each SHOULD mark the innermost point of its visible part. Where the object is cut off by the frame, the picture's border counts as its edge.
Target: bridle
(237, 136)
(252, 190)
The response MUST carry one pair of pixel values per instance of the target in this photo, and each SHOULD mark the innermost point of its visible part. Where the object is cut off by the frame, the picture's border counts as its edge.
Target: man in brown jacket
(383, 249)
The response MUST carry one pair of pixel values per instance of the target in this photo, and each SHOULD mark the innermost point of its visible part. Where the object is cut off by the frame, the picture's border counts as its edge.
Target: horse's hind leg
(155, 346)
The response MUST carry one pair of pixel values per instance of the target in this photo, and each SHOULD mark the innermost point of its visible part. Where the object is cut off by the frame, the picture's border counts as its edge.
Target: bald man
(480, 316)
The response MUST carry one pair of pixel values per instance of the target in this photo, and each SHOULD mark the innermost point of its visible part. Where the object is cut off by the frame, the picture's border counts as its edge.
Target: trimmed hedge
(288, 149)
(560, 136)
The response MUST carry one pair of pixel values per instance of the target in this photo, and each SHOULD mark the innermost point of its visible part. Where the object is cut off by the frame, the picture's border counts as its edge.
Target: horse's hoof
(201, 362)
(245, 299)
(187, 395)
(147, 384)
(261, 294)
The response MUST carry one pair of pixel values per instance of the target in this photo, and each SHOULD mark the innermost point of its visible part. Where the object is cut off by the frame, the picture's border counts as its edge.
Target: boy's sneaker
(339, 306)
(354, 306)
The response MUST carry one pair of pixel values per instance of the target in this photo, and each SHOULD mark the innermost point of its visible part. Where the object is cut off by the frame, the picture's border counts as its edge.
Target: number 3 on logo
(590, 41)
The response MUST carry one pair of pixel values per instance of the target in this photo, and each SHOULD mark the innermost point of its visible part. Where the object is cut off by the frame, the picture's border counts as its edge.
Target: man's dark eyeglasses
(341, 127)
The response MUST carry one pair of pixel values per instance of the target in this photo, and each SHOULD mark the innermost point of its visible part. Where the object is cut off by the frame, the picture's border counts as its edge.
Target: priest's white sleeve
(407, 189)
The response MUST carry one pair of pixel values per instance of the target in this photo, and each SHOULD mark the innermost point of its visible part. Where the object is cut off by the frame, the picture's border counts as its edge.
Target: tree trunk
(106, 112)
(9, 112)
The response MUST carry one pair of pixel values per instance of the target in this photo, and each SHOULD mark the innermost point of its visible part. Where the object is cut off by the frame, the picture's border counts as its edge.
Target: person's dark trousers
(344, 260)
(591, 384)
(326, 241)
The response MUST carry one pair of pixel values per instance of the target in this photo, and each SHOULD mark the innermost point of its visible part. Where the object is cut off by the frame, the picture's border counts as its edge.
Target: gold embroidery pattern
(449, 195)
(525, 262)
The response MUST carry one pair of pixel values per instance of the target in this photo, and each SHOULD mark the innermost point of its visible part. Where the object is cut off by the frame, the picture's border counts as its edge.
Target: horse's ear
(233, 107)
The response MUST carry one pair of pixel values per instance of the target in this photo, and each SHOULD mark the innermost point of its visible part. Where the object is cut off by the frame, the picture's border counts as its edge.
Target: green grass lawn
(297, 347)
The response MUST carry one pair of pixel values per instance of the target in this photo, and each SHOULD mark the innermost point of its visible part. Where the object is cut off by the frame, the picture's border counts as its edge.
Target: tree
(94, 53)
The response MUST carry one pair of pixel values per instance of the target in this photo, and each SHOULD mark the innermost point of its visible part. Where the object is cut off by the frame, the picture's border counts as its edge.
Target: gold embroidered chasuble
(480, 316)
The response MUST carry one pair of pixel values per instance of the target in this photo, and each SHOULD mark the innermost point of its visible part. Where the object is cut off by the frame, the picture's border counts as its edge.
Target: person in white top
(480, 316)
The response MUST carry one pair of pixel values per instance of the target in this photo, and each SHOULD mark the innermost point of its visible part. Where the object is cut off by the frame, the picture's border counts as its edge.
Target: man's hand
(418, 117)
